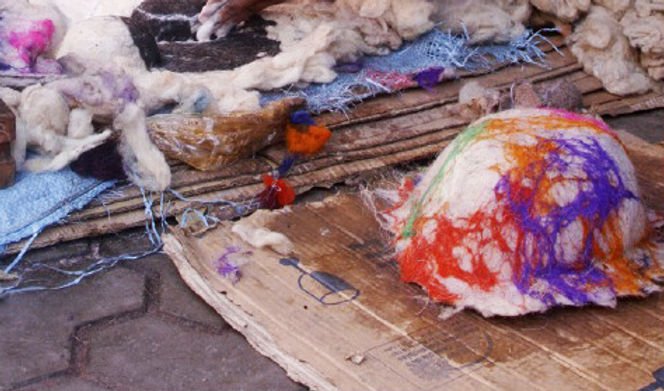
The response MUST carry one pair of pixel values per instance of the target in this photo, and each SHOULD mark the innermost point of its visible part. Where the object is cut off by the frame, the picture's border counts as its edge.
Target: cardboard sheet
(335, 315)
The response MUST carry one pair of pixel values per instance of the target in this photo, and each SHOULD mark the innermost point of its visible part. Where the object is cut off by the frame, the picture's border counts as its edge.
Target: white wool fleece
(144, 164)
(600, 45)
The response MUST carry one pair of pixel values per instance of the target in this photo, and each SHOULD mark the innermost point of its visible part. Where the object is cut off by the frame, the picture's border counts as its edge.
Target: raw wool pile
(599, 44)
(565, 10)
(621, 42)
(107, 79)
(618, 41)
(359, 27)
(314, 37)
(525, 210)
(223, 91)
(56, 119)
(484, 20)
(644, 27)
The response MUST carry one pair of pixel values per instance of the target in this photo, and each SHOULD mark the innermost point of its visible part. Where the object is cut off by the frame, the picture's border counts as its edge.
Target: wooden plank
(591, 346)
(509, 352)
(183, 177)
(653, 100)
(622, 317)
(415, 100)
(403, 122)
(389, 324)
(420, 141)
(326, 176)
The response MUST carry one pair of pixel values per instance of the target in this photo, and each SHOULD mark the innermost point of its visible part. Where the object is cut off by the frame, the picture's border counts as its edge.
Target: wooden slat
(404, 122)
(326, 176)
(130, 198)
(415, 100)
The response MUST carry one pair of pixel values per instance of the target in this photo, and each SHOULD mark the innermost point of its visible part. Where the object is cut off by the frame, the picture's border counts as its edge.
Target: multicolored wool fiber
(525, 210)
(303, 138)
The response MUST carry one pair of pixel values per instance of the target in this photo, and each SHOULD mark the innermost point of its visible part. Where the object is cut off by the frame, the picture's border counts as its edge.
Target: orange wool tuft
(306, 142)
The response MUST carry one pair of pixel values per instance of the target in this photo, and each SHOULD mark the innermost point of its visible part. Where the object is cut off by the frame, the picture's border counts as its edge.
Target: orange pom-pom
(308, 142)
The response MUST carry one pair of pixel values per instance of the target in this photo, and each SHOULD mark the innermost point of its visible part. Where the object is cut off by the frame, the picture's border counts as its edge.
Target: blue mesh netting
(435, 49)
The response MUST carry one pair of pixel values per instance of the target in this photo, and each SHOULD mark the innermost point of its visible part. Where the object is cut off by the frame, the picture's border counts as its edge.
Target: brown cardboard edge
(243, 322)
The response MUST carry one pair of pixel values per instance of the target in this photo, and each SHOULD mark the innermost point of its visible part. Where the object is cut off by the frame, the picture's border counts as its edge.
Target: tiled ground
(135, 327)
(138, 327)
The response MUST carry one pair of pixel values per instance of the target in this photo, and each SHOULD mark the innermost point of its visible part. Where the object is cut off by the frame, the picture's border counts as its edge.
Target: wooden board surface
(7, 136)
(342, 320)
(384, 131)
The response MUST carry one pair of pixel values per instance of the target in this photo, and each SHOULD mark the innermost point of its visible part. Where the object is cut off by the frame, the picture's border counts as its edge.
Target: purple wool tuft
(429, 78)
(227, 268)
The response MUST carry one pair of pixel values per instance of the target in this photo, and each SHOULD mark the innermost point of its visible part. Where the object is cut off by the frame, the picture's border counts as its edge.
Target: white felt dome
(527, 209)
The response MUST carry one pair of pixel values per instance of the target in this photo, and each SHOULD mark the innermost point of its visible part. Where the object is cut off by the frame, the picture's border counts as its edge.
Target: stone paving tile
(64, 384)
(36, 328)
(150, 353)
(175, 297)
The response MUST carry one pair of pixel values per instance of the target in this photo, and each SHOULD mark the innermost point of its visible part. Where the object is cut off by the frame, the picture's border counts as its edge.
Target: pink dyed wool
(25, 42)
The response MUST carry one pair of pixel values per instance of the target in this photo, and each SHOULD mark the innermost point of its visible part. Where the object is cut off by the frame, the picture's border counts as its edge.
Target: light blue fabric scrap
(38, 200)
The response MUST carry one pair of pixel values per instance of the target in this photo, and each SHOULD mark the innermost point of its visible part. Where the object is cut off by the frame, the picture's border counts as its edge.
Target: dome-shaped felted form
(525, 210)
